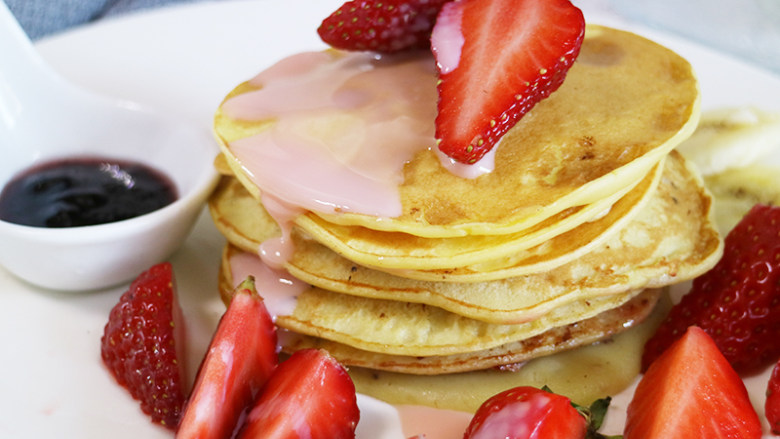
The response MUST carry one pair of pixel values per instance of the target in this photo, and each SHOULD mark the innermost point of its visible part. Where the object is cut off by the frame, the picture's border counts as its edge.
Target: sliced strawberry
(737, 302)
(241, 357)
(381, 25)
(497, 59)
(143, 341)
(691, 391)
(772, 404)
(525, 413)
(310, 395)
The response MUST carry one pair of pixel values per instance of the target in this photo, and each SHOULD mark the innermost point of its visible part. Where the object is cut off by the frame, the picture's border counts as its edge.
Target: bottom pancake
(554, 340)
(583, 374)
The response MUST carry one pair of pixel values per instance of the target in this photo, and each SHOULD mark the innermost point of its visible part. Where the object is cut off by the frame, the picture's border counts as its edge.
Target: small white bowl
(99, 256)
(43, 118)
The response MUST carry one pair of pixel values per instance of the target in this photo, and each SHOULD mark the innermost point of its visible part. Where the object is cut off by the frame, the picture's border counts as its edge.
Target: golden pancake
(239, 217)
(412, 329)
(602, 239)
(478, 257)
(553, 340)
(482, 253)
(222, 166)
(593, 320)
(625, 104)
(586, 208)
(583, 374)
(672, 239)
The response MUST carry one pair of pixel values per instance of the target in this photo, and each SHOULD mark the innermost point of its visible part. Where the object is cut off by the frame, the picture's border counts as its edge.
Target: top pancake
(625, 104)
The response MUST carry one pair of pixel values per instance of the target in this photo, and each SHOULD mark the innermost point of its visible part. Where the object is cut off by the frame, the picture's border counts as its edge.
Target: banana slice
(734, 138)
(737, 150)
(737, 190)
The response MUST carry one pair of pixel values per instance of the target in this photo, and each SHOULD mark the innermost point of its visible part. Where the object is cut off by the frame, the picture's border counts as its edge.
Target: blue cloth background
(40, 18)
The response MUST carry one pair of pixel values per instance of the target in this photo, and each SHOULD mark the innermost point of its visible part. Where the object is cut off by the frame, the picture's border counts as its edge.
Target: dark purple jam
(84, 191)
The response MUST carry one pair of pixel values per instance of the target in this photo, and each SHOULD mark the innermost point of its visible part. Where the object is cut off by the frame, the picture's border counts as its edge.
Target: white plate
(183, 60)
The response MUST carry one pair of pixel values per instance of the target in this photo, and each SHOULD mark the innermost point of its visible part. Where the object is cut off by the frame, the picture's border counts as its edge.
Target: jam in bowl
(76, 254)
(84, 192)
(44, 119)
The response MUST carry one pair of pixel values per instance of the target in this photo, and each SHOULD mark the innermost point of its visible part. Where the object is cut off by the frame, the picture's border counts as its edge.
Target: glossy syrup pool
(84, 191)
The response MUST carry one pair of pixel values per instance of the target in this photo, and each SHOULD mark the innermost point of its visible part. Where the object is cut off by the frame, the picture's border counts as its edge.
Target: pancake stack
(479, 284)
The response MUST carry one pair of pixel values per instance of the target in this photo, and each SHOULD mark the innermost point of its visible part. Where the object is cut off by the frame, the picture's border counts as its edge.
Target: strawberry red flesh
(510, 55)
(142, 344)
(240, 359)
(309, 396)
(691, 391)
(737, 302)
(527, 413)
(381, 25)
(772, 404)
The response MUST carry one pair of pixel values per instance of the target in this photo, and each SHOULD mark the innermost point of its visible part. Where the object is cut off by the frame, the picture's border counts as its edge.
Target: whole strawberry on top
(381, 25)
(496, 60)
(737, 302)
(142, 343)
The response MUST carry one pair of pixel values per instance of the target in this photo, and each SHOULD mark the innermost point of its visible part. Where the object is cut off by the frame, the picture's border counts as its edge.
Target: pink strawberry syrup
(341, 128)
(278, 288)
(337, 142)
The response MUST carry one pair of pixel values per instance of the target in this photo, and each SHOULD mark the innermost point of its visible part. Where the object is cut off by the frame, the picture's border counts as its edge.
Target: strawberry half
(142, 342)
(772, 404)
(737, 302)
(691, 391)
(524, 413)
(381, 25)
(496, 60)
(310, 395)
(240, 359)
